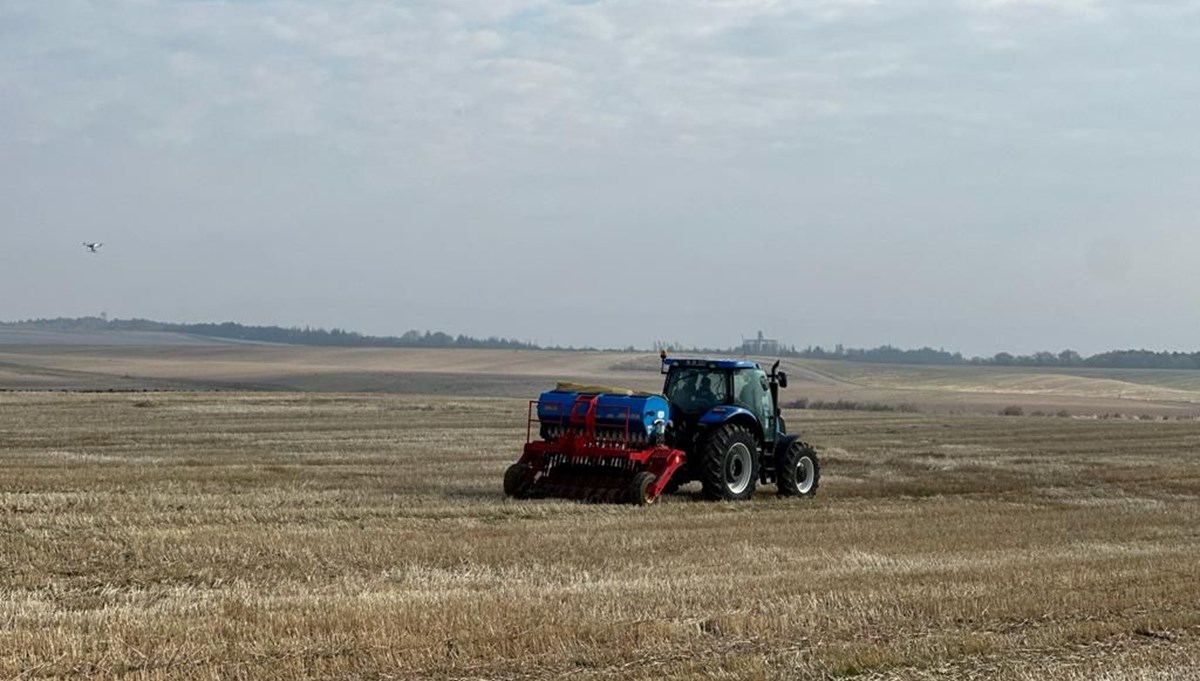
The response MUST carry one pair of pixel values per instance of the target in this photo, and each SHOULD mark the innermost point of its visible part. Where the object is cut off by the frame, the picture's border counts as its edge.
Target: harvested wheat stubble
(304, 536)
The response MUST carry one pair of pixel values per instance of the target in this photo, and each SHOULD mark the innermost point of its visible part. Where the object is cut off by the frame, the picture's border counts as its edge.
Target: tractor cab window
(751, 390)
(696, 389)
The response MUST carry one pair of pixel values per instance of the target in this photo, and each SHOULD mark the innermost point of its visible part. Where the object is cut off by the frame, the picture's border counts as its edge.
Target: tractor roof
(710, 363)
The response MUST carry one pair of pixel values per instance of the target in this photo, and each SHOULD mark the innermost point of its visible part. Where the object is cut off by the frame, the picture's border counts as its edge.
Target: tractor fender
(727, 413)
(782, 444)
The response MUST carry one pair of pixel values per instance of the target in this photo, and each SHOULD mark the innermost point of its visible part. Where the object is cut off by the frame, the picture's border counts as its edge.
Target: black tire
(729, 464)
(516, 481)
(798, 471)
(638, 491)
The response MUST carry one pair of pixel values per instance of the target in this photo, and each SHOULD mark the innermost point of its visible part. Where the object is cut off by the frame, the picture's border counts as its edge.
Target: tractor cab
(703, 391)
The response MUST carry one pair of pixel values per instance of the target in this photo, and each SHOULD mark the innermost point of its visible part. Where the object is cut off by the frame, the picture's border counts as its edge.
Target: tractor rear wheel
(516, 481)
(729, 464)
(798, 471)
(639, 489)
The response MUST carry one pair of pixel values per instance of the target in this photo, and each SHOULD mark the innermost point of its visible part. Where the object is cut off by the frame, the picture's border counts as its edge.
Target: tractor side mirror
(782, 378)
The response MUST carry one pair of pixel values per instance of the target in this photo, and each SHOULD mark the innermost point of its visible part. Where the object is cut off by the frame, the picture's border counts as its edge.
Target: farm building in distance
(760, 346)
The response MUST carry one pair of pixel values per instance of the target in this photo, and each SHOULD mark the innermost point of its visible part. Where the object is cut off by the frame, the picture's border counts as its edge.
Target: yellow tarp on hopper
(606, 389)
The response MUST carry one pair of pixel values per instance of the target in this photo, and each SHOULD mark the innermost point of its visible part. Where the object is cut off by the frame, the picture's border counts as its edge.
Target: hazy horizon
(45, 328)
(980, 175)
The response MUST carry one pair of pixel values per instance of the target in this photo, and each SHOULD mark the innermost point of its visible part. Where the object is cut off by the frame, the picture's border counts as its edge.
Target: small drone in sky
(93, 247)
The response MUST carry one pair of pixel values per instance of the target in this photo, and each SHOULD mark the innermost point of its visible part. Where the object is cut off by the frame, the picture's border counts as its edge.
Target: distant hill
(268, 334)
(885, 354)
(1113, 359)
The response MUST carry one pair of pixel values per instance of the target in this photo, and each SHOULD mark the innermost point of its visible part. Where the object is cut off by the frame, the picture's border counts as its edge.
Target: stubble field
(354, 536)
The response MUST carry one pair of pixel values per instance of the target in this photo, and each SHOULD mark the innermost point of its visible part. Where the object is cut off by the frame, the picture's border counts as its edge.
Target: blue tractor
(718, 422)
(725, 416)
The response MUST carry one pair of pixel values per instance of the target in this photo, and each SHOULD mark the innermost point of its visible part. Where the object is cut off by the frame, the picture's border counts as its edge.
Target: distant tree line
(884, 354)
(1114, 359)
(276, 334)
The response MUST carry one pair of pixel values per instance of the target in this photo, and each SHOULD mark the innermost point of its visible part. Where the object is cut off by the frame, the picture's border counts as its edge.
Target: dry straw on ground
(344, 536)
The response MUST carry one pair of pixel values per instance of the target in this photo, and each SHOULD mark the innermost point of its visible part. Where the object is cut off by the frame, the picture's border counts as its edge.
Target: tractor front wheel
(729, 464)
(798, 471)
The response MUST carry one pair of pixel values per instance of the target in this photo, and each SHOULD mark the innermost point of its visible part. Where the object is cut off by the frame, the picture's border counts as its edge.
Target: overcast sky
(982, 175)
